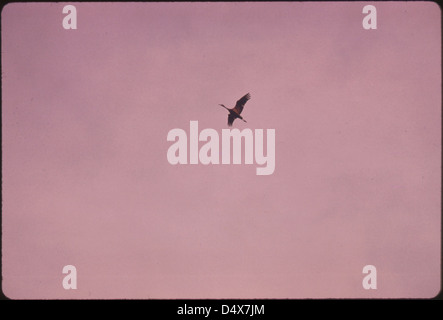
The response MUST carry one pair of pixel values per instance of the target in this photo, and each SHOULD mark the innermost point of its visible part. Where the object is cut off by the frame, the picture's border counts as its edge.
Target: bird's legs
(241, 118)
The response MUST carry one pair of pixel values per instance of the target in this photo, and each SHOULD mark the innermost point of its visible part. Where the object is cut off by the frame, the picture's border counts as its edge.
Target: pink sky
(86, 181)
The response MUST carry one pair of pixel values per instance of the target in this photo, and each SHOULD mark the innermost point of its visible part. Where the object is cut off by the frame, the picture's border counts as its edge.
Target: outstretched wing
(231, 119)
(241, 103)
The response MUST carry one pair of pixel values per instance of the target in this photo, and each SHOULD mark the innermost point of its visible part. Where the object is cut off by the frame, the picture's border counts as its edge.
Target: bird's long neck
(224, 106)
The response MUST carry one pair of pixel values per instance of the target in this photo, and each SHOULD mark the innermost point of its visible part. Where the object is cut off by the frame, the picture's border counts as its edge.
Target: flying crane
(234, 113)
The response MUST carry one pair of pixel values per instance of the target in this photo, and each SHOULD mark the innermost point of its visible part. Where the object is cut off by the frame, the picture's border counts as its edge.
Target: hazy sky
(86, 181)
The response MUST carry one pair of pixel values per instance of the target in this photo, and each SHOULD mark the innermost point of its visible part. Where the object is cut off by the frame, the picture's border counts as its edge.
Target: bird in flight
(234, 113)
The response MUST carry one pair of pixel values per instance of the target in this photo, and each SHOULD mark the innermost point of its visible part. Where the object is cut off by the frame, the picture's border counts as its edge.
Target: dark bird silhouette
(234, 113)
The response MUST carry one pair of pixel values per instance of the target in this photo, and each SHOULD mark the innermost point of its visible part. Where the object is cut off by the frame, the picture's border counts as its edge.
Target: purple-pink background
(86, 112)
